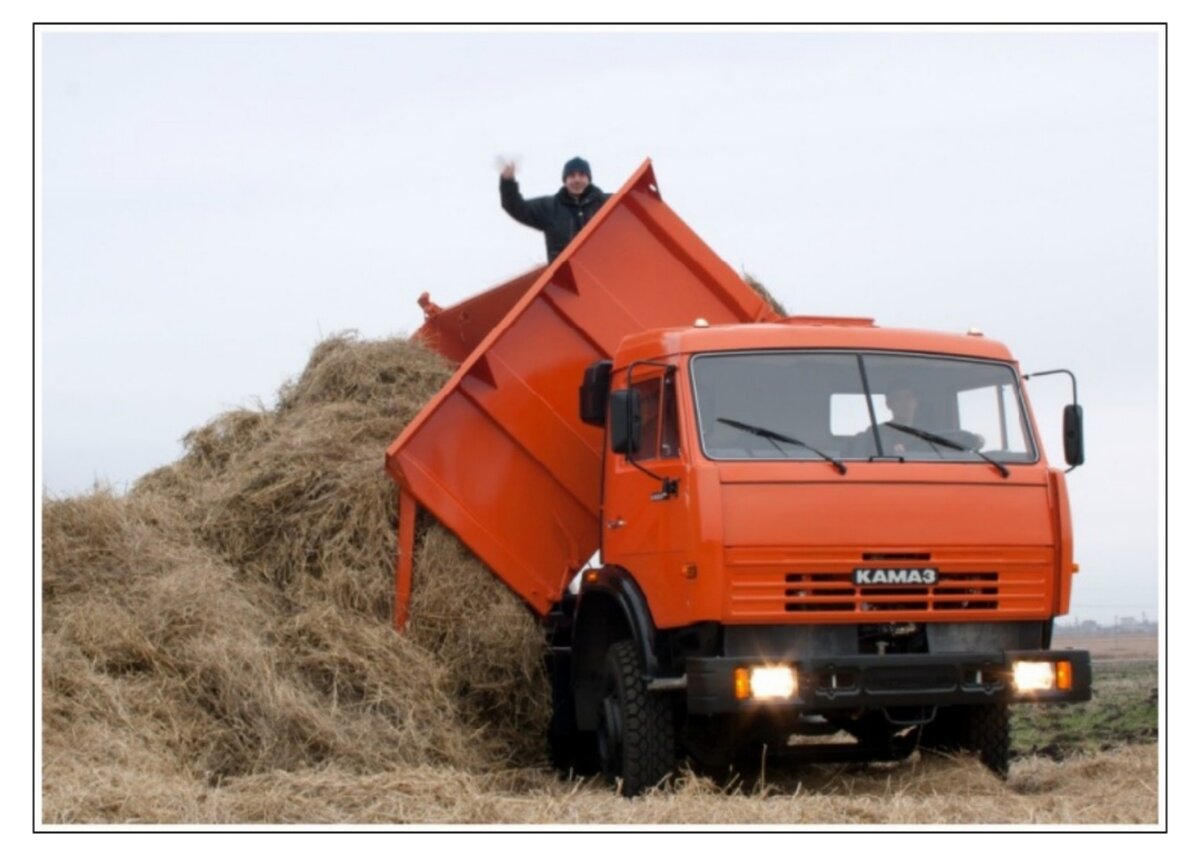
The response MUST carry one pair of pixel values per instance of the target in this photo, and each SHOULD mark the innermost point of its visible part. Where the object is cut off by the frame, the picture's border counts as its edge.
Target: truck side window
(660, 418)
(650, 396)
(669, 445)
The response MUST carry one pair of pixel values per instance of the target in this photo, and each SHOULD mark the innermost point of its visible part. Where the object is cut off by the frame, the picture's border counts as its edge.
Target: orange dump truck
(743, 530)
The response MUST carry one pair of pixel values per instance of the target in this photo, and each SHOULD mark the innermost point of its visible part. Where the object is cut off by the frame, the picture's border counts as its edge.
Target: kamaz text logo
(895, 576)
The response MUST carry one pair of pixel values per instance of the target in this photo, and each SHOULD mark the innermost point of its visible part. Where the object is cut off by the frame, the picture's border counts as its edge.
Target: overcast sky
(214, 204)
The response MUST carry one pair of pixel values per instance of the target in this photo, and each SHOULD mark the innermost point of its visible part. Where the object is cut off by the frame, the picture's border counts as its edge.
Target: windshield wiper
(774, 436)
(945, 441)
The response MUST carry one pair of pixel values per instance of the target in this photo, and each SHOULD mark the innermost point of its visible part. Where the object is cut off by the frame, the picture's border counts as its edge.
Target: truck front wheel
(635, 735)
(988, 735)
(982, 729)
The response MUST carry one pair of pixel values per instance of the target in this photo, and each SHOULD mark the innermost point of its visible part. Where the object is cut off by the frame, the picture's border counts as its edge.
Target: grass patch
(1123, 710)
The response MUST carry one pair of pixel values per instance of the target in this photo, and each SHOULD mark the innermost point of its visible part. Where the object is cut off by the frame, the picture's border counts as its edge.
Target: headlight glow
(1033, 675)
(773, 683)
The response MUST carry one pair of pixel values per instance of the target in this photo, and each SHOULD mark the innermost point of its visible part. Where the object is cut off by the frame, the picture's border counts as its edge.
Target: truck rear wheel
(635, 736)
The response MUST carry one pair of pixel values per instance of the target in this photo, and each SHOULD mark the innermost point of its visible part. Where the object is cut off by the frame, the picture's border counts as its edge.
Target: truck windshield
(860, 406)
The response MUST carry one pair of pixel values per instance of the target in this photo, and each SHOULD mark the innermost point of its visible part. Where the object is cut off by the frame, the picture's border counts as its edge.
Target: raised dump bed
(500, 455)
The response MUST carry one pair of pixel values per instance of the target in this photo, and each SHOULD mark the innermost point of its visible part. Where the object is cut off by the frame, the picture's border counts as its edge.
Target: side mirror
(593, 393)
(625, 421)
(1073, 434)
(1072, 420)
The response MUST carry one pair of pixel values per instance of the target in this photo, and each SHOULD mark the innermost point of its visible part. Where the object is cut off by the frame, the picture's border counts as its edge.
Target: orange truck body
(503, 458)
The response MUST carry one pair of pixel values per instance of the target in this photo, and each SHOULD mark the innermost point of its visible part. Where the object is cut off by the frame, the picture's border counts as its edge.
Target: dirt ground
(1110, 647)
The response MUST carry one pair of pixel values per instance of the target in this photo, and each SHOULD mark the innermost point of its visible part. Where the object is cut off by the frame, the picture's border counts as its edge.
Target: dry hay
(765, 293)
(229, 617)
(217, 649)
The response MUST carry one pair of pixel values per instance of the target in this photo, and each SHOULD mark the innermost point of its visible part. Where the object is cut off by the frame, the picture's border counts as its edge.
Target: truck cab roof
(809, 332)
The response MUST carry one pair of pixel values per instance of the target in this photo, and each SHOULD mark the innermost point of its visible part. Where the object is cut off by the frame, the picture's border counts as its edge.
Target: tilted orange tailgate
(500, 455)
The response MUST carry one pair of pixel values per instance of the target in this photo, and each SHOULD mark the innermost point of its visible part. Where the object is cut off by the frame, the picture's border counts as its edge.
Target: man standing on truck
(560, 216)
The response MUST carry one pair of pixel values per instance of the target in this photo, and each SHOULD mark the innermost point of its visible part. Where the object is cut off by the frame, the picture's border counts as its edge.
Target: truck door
(645, 527)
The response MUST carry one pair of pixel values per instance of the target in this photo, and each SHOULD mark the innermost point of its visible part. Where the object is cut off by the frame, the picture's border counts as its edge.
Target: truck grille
(825, 593)
(1010, 582)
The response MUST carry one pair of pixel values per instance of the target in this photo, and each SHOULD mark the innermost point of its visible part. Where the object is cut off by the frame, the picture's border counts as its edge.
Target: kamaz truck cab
(814, 526)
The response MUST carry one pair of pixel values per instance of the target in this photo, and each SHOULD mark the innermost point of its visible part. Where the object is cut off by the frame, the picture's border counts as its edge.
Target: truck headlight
(766, 682)
(1030, 676)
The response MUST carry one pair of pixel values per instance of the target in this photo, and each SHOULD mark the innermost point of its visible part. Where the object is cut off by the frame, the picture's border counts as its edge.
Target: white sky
(216, 203)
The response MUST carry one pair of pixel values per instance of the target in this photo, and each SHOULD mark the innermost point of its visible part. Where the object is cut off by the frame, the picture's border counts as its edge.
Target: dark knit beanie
(577, 165)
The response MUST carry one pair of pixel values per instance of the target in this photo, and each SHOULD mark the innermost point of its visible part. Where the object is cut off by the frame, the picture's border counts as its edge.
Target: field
(1122, 711)
(216, 649)
(1110, 647)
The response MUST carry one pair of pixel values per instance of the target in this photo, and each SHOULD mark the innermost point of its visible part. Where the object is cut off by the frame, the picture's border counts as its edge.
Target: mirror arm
(1074, 391)
(1074, 386)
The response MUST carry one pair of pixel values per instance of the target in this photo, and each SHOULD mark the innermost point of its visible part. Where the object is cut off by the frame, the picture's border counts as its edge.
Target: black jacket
(560, 216)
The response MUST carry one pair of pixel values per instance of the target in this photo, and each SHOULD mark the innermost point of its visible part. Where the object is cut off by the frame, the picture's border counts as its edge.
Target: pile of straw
(230, 616)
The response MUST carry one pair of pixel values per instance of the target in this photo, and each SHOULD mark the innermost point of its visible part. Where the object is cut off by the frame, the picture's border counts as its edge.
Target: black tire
(979, 729)
(635, 740)
(988, 735)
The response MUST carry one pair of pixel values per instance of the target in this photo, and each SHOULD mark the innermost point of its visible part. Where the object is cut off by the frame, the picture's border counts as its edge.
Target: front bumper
(879, 681)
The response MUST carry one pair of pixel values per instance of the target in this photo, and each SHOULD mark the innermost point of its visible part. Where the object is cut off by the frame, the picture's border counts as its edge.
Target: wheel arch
(610, 608)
